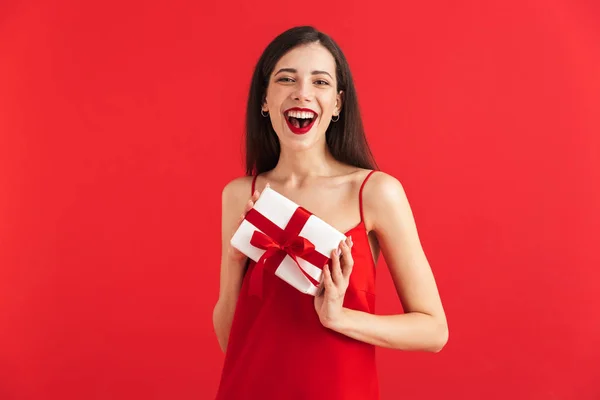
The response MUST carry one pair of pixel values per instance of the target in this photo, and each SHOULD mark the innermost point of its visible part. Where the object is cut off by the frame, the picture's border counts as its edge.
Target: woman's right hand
(234, 254)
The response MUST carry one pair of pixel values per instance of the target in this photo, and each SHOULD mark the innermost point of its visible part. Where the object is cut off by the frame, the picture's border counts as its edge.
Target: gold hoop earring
(263, 114)
(336, 120)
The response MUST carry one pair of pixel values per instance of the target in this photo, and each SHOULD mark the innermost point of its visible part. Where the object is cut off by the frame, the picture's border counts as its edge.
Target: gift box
(287, 240)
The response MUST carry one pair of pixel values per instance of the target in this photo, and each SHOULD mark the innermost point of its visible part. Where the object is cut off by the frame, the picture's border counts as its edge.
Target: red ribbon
(280, 243)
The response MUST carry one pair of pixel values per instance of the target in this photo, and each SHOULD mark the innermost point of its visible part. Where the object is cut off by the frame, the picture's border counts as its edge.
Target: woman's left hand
(330, 297)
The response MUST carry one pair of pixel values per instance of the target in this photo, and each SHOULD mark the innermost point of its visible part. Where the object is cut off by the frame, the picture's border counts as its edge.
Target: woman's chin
(299, 142)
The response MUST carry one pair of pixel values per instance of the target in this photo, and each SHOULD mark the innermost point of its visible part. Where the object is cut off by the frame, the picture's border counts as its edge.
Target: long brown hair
(345, 138)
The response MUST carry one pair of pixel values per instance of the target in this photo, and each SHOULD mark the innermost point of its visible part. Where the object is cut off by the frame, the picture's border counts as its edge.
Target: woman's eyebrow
(293, 71)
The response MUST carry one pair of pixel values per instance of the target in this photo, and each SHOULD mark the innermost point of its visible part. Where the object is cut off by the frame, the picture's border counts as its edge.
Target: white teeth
(301, 114)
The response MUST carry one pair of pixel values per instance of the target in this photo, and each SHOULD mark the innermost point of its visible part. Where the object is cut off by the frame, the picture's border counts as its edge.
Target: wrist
(340, 322)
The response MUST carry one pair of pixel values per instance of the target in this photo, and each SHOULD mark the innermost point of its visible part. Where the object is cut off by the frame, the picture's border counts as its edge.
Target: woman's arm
(235, 205)
(414, 330)
(423, 326)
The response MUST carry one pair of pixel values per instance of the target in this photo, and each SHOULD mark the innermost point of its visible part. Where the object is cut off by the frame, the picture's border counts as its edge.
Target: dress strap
(360, 194)
(253, 185)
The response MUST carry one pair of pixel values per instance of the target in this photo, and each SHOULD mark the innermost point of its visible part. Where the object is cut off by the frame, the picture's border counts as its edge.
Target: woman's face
(301, 97)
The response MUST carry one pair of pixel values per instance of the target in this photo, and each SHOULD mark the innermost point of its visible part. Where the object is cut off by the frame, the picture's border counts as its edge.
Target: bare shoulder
(383, 195)
(383, 184)
(237, 191)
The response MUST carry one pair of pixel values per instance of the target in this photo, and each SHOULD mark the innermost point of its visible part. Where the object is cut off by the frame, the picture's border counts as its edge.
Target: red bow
(280, 243)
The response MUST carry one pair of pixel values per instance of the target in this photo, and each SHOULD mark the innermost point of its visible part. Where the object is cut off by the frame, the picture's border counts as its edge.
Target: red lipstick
(304, 129)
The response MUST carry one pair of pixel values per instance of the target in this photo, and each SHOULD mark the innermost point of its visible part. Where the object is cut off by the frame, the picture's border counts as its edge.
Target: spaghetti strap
(360, 195)
(253, 185)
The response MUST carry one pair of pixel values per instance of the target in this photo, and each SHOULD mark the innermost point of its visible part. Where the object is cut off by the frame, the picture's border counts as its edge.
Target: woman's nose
(304, 91)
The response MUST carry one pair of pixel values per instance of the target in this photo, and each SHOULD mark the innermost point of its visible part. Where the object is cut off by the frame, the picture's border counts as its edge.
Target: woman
(306, 140)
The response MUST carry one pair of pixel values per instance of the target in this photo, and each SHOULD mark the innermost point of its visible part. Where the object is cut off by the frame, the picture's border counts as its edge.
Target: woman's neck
(296, 167)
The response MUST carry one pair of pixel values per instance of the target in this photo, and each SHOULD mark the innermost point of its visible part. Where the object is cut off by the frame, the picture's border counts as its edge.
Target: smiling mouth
(301, 122)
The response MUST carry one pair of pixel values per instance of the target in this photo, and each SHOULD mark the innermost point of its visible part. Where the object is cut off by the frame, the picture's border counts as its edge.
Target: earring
(336, 120)
(263, 113)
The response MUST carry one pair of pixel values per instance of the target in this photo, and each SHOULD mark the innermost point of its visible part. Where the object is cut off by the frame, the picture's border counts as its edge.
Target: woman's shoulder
(376, 182)
(382, 192)
(237, 190)
(380, 182)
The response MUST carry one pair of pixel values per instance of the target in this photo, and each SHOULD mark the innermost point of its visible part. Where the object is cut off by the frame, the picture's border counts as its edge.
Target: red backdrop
(121, 122)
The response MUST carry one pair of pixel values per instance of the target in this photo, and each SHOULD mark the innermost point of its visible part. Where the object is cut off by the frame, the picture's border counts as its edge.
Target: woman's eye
(285, 80)
(322, 82)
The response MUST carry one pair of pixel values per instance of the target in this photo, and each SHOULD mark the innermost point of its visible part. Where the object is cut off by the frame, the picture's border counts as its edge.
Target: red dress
(278, 348)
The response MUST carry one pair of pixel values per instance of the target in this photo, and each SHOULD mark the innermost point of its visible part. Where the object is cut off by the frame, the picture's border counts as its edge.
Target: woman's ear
(339, 100)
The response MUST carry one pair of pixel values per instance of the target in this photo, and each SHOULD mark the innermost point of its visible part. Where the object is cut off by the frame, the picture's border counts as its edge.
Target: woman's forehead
(307, 58)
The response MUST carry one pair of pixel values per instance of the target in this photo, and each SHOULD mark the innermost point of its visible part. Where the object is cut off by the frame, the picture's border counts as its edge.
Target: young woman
(305, 139)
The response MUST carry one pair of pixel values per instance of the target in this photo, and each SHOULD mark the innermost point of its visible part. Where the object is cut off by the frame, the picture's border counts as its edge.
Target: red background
(120, 122)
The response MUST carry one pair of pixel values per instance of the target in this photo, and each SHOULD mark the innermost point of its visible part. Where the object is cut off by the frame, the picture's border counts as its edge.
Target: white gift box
(279, 210)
